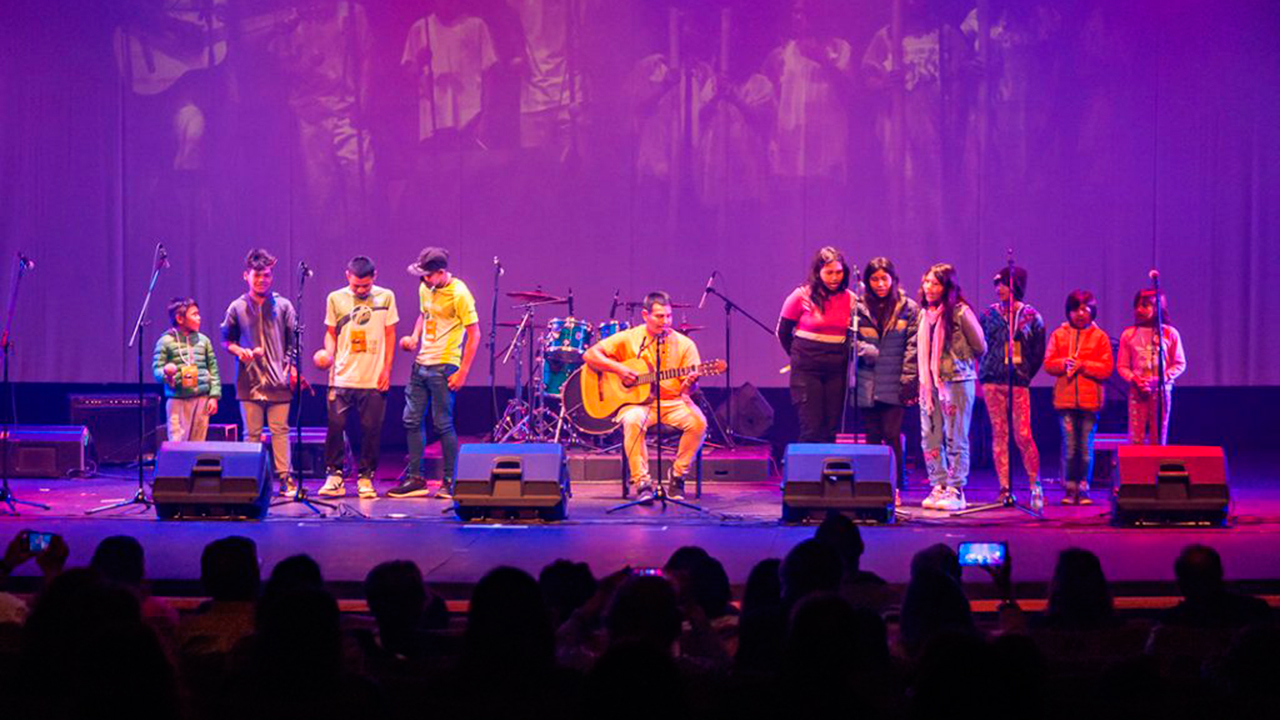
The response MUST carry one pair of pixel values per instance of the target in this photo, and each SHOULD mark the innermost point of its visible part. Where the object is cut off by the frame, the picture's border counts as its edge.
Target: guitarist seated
(678, 410)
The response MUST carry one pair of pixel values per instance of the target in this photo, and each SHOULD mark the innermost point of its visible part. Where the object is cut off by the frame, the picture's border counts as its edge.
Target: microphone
(305, 270)
(613, 306)
(710, 281)
(26, 262)
(162, 256)
(497, 264)
(1154, 274)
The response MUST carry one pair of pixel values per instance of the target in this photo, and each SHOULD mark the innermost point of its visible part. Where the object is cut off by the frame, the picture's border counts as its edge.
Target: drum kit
(538, 412)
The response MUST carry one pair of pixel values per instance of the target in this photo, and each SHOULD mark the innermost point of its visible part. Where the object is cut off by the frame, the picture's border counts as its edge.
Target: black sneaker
(675, 486)
(411, 487)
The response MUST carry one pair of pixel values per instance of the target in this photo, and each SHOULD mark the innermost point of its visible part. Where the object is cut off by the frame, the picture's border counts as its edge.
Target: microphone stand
(1009, 499)
(1160, 382)
(659, 487)
(493, 340)
(729, 307)
(135, 340)
(6, 343)
(295, 367)
(851, 364)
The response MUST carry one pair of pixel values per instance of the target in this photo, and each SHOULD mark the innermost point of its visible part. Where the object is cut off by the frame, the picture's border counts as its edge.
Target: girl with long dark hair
(887, 368)
(813, 328)
(949, 344)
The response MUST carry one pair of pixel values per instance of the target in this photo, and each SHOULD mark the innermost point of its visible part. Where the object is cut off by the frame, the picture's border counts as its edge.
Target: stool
(668, 433)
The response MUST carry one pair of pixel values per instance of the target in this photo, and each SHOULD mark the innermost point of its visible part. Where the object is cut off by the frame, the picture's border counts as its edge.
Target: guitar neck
(669, 374)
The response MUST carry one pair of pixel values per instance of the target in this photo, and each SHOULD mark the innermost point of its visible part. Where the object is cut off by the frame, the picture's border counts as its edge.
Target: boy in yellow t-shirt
(445, 338)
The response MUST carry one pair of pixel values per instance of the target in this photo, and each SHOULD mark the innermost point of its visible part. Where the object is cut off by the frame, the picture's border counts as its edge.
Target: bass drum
(571, 392)
(554, 375)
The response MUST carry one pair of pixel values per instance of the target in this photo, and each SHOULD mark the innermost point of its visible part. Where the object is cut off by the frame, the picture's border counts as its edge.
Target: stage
(739, 525)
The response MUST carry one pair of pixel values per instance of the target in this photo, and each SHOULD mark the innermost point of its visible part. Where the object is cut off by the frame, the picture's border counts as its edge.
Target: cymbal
(535, 296)
(687, 328)
(631, 304)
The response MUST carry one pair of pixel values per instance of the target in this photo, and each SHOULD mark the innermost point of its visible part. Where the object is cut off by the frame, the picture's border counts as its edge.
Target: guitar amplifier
(112, 421)
(47, 451)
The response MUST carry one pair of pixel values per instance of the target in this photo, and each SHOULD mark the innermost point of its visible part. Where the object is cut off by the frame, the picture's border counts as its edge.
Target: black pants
(370, 405)
(883, 424)
(818, 373)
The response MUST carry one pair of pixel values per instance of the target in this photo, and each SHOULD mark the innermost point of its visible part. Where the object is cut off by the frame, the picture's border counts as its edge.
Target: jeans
(1143, 412)
(947, 423)
(370, 405)
(1078, 427)
(428, 391)
(883, 423)
(275, 415)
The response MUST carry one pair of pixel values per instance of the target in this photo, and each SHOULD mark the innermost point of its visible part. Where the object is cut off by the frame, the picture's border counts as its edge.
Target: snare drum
(611, 327)
(567, 339)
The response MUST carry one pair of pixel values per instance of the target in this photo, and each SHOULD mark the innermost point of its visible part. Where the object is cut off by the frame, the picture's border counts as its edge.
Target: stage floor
(739, 524)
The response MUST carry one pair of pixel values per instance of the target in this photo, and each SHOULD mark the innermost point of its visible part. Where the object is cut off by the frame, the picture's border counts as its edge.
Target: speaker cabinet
(510, 480)
(856, 480)
(47, 451)
(1171, 485)
(212, 479)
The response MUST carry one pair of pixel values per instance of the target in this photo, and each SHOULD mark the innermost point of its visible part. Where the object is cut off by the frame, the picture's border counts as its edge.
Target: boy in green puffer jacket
(185, 364)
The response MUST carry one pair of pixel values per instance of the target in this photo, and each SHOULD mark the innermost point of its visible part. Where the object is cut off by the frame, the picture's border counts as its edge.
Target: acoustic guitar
(593, 398)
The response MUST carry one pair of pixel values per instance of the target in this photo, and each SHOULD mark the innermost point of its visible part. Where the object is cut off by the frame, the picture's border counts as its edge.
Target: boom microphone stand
(1009, 499)
(160, 262)
(851, 365)
(729, 307)
(6, 344)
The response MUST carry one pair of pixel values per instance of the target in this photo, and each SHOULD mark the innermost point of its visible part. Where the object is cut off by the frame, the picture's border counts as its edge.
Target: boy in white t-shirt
(358, 348)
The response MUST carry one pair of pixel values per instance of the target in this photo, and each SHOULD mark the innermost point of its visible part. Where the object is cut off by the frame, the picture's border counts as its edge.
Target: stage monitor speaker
(1171, 485)
(48, 451)
(212, 479)
(113, 425)
(752, 413)
(524, 481)
(856, 480)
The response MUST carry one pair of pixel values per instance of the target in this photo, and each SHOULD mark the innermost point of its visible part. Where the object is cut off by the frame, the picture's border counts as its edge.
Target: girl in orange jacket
(1079, 355)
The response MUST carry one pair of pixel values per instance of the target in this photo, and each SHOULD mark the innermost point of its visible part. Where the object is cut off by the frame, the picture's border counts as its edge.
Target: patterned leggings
(997, 397)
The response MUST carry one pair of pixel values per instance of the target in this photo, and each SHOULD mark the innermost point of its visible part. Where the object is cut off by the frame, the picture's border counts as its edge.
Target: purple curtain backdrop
(1127, 136)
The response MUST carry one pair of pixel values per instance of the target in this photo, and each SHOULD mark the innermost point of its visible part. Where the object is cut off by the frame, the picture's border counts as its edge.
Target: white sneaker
(952, 500)
(935, 496)
(333, 487)
(364, 487)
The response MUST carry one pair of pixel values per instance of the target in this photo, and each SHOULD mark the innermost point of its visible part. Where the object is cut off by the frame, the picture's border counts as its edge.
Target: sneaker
(644, 491)
(1071, 493)
(1037, 496)
(675, 486)
(411, 487)
(935, 496)
(364, 487)
(1082, 497)
(445, 491)
(952, 500)
(288, 487)
(1005, 496)
(333, 487)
